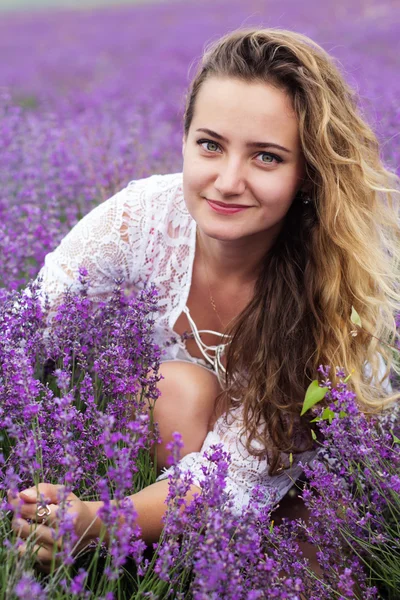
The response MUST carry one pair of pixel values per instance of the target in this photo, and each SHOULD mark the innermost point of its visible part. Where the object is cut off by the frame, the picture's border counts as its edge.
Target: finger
(42, 554)
(38, 533)
(47, 490)
(29, 511)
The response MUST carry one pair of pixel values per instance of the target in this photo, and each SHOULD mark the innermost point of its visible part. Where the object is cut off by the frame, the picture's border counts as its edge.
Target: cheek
(277, 196)
(191, 189)
(195, 174)
(284, 185)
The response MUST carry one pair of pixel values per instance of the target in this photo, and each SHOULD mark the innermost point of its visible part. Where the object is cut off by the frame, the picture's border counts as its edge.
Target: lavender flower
(28, 587)
(351, 499)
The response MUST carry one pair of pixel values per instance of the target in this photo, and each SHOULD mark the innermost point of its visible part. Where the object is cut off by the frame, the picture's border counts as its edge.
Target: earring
(305, 198)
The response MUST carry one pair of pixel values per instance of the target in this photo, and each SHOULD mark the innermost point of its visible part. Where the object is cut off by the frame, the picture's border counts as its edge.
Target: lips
(224, 205)
(226, 209)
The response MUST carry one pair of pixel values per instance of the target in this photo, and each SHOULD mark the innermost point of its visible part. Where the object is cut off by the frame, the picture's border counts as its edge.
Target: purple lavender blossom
(72, 423)
(28, 587)
(352, 501)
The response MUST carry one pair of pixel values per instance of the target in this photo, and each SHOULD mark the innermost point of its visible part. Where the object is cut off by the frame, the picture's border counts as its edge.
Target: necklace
(212, 301)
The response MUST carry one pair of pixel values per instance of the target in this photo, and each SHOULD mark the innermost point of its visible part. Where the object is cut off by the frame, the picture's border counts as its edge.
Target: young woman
(283, 219)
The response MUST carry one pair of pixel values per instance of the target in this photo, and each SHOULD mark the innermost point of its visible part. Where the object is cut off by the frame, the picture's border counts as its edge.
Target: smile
(226, 209)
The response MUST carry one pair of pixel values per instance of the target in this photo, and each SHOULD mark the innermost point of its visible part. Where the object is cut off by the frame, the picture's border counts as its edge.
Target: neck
(236, 262)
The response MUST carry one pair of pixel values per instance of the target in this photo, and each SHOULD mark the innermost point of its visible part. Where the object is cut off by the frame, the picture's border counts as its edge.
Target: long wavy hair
(339, 251)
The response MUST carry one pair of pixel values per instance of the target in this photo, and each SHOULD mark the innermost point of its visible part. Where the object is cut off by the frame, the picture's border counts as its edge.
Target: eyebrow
(248, 145)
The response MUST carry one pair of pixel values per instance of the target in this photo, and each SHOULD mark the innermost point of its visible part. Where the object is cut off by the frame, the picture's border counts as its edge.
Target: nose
(231, 180)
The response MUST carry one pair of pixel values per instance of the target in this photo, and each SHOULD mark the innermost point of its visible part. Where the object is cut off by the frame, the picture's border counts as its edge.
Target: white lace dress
(144, 234)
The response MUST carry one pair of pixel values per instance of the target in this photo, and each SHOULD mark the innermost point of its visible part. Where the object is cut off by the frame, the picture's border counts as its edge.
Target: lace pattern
(245, 471)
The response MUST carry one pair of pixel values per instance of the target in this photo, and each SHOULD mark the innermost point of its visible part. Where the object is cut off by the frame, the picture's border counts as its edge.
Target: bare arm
(150, 506)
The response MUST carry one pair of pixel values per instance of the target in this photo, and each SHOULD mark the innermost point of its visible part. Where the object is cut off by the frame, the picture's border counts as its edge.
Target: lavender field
(90, 100)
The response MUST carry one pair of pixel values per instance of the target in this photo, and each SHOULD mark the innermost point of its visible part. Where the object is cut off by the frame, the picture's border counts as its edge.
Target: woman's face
(238, 162)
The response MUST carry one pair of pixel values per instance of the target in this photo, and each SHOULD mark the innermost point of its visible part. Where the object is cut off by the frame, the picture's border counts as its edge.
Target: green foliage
(314, 394)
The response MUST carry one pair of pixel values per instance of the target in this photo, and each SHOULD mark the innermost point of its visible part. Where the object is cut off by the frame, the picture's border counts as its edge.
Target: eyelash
(274, 156)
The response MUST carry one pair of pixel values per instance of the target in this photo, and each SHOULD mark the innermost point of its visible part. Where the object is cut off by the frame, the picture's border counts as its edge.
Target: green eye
(202, 143)
(269, 156)
(273, 158)
(208, 143)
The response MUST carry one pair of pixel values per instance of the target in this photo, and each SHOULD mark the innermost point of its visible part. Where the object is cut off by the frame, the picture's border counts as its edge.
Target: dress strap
(215, 361)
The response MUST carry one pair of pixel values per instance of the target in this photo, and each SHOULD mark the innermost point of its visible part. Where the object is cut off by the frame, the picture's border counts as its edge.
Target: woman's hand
(44, 520)
(149, 503)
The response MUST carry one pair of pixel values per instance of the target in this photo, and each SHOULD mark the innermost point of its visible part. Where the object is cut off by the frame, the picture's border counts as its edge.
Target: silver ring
(43, 511)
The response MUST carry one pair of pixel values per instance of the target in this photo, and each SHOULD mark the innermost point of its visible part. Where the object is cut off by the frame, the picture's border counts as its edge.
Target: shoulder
(162, 205)
(160, 189)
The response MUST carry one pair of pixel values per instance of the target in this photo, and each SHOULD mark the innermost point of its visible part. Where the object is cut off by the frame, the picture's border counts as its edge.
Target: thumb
(46, 490)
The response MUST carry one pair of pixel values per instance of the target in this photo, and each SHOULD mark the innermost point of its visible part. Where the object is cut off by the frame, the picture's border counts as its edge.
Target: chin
(221, 234)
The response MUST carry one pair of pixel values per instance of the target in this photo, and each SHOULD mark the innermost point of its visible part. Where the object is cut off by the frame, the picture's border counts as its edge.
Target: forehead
(231, 106)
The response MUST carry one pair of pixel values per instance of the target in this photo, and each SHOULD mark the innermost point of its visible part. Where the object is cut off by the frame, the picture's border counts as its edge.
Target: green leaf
(313, 435)
(327, 415)
(355, 317)
(290, 459)
(343, 414)
(314, 394)
(396, 440)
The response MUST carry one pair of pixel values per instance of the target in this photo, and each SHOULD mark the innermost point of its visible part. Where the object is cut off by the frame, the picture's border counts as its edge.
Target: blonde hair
(338, 252)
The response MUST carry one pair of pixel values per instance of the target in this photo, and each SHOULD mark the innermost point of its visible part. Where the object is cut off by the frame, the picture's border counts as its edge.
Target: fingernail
(30, 493)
